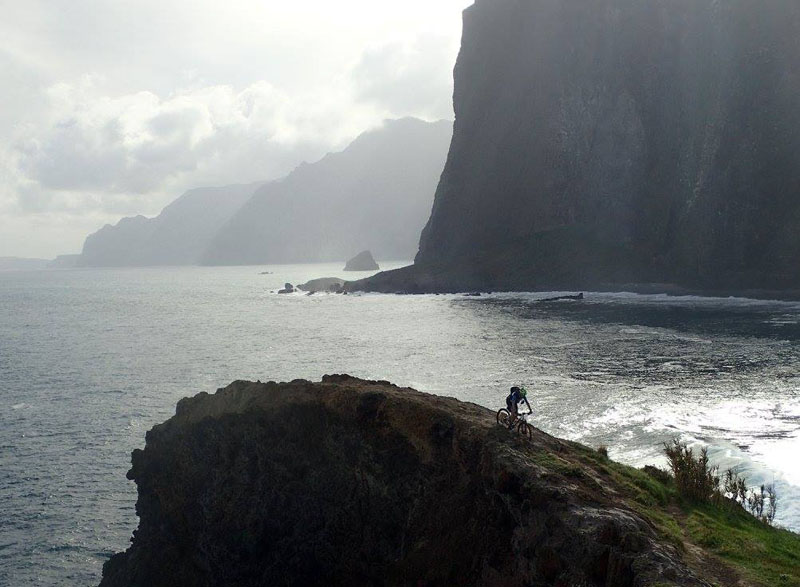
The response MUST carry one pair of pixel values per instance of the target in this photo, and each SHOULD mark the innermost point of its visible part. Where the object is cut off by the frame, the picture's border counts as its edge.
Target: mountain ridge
(177, 236)
(376, 194)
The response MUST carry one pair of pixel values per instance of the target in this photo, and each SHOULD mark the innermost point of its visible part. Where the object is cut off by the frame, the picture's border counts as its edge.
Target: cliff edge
(347, 482)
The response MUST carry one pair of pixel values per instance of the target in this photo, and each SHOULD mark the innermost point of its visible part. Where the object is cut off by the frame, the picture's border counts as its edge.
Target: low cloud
(136, 152)
(114, 110)
(134, 144)
(409, 77)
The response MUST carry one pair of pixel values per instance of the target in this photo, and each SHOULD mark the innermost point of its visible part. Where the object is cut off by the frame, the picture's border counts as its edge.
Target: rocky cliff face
(350, 482)
(376, 194)
(614, 141)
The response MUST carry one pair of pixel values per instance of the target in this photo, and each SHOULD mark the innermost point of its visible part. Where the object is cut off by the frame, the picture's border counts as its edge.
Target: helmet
(523, 392)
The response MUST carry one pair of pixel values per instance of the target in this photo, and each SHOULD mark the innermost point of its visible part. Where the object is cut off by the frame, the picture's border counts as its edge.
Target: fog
(210, 94)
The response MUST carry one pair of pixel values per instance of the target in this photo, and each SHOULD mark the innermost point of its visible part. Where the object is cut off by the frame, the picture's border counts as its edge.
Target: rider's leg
(514, 411)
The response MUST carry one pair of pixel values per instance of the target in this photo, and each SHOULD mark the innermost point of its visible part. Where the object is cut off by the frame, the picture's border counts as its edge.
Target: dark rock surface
(375, 194)
(617, 142)
(351, 482)
(364, 261)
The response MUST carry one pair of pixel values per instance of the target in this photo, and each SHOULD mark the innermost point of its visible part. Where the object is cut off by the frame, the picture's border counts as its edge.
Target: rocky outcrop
(351, 482)
(616, 142)
(377, 193)
(328, 284)
(177, 236)
(364, 261)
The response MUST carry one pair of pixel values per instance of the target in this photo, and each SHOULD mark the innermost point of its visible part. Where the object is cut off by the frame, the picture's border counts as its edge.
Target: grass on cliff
(767, 554)
(760, 553)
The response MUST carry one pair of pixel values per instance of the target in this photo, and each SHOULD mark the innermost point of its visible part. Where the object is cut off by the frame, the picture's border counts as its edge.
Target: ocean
(91, 359)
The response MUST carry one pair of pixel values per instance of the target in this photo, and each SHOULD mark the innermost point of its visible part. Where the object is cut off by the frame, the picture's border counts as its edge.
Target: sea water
(91, 359)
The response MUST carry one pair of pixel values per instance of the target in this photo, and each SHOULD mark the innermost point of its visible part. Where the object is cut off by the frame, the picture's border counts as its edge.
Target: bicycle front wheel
(525, 430)
(503, 417)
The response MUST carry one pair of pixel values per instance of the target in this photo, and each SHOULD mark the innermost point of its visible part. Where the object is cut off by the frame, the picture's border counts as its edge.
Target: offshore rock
(364, 261)
(612, 142)
(351, 482)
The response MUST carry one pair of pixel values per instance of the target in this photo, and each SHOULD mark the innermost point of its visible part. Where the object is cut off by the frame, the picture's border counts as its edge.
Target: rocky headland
(619, 143)
(352, 482)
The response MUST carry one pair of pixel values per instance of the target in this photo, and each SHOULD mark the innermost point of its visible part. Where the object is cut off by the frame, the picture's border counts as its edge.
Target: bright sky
(115, 107)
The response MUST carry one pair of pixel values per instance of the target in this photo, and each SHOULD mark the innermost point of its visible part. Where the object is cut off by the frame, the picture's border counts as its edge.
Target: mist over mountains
(177, 236)
(375, 194)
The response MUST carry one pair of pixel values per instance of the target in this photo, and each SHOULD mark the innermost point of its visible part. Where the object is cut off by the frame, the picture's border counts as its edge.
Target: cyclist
(516, 397)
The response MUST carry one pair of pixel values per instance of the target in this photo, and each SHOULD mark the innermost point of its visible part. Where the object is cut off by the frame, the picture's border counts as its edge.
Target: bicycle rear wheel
(503, 417)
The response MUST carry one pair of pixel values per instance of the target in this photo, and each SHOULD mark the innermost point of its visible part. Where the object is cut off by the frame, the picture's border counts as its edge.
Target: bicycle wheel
(503, 417)
(525, 430)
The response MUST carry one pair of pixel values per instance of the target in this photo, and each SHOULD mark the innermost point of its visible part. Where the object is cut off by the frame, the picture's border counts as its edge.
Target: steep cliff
(177, 236)
(375, 194)
(351, 482)
(614, 141)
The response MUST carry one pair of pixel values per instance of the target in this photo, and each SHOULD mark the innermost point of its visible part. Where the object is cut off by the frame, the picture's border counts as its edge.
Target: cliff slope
(351, 482)
(177, 236)
(608, 142)
(376, 194)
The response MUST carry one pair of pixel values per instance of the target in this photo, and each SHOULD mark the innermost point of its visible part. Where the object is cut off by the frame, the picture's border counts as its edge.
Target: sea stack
(362, 262)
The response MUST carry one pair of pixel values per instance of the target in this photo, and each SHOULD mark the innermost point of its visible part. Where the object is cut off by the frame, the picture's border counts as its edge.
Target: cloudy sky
(115, 107)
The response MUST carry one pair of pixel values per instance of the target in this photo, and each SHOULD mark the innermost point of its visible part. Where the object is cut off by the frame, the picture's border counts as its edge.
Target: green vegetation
(698, 482)
(694, 478)
(700, 510)
(764, 554)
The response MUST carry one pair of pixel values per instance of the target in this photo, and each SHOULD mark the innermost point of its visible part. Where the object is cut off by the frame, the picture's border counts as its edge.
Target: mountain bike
(521, 425)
